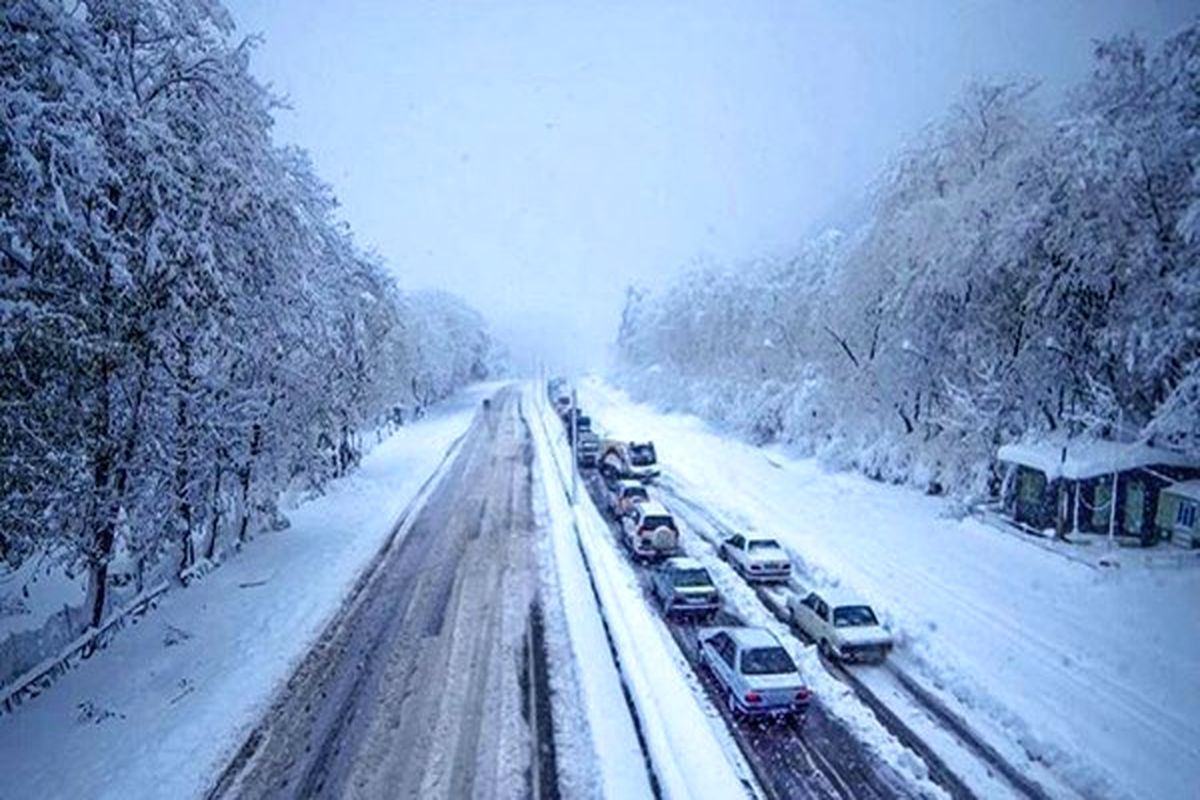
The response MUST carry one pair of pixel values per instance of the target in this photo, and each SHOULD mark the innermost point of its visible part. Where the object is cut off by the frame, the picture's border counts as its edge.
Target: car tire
(731, 704)
(825, 650)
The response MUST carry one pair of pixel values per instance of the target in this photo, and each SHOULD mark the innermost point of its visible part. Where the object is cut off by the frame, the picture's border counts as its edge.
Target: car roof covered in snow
(653, 508)
(1188, 489)
(837, 596)
(762, 537)
(1080, 459)
(682, 562)
(749, 637)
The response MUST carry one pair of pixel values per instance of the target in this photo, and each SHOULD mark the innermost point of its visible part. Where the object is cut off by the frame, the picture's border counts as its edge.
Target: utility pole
(574, 444)
(1112, 511)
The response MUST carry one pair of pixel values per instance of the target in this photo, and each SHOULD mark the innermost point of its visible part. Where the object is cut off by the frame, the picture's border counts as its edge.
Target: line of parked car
(756, 674)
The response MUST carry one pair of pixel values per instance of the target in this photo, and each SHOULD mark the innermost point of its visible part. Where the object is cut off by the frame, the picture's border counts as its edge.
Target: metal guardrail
(36, 680)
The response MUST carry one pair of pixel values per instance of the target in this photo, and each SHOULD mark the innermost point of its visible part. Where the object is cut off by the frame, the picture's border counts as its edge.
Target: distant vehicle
(755, 672)
(682, 585)
(587, 451)
(650, 531)
(623, 494)
(756, 559)
(562, 404)
(632, 459)
(610, 476)
(487, 403)
(843, 626)
(581, 422)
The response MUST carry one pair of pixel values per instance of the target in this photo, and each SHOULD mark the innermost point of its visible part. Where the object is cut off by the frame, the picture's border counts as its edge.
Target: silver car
(683, 586)
(756, 674)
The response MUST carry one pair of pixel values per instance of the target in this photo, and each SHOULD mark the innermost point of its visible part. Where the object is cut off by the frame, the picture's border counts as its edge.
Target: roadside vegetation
(1024, 270)
(188, 328)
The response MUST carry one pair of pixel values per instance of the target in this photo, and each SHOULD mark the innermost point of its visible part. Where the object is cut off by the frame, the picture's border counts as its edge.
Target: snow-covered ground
(160, 710)
(692, 753)
(598, 751)
(1092, 672)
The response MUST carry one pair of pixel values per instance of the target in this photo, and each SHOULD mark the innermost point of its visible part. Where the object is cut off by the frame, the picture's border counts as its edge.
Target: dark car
(683, 586)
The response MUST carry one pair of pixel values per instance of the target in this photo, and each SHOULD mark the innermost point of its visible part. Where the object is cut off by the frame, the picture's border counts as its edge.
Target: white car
(756, 674)
(755, 558)
(650, 531)
(843, 626)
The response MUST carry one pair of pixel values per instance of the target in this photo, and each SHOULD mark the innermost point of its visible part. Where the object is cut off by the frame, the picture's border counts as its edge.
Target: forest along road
(416, 688)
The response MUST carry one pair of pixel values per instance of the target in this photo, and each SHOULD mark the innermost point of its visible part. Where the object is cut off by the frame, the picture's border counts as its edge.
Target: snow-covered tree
(1024, 269)
(187, 327)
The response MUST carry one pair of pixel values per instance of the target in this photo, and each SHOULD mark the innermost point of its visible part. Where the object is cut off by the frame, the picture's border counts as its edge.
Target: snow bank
(159, 711)
(690, 759)
(1088, 675)
(598, 751)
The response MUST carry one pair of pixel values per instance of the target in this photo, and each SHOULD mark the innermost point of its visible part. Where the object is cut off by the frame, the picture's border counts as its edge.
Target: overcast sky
(537, 157)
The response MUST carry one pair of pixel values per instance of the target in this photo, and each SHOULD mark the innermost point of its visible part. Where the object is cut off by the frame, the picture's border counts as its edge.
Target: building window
(1185, 515)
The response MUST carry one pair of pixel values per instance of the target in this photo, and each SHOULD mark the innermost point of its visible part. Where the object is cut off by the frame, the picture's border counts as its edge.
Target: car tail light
(753, 697)
(804, 695)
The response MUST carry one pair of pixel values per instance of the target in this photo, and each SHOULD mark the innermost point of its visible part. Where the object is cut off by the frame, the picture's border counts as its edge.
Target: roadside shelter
(1064, 486)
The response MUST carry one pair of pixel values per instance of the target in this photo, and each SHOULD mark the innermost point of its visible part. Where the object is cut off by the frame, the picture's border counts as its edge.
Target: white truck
(637, 460)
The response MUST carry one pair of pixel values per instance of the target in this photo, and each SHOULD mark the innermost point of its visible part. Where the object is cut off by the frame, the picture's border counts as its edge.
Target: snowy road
(416, 688)
(1062, 671)
(816, 758)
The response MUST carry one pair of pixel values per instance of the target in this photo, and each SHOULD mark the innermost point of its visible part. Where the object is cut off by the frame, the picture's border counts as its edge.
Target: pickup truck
(632, 459)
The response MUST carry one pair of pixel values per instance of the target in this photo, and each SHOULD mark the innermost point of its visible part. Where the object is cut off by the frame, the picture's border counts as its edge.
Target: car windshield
(641, 455)
(853, 616)
(658, 522)
(764, 544)
(767, 661)
(691, 577)
(636, 493)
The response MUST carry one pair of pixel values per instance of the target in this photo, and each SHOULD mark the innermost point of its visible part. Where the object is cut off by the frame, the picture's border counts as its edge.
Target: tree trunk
(183, 503)
(102, 542)
(244, 473)
(210, 551)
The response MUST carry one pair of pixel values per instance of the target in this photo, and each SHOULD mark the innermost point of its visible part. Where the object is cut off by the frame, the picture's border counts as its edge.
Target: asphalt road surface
(418, 688)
